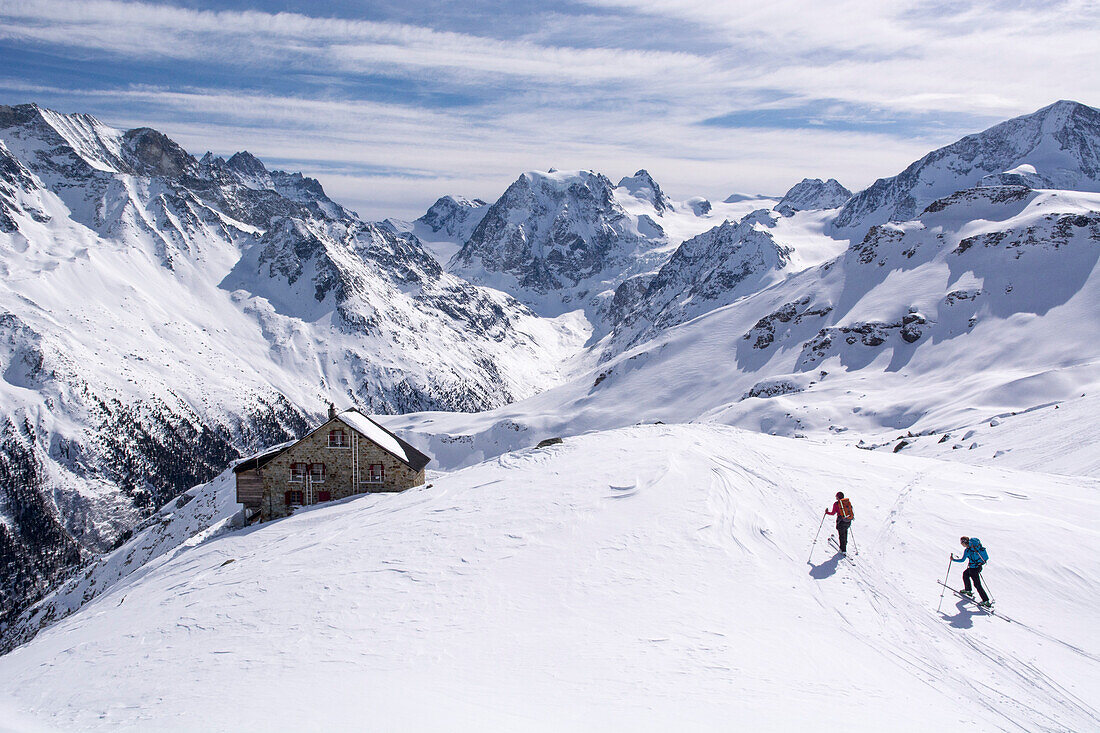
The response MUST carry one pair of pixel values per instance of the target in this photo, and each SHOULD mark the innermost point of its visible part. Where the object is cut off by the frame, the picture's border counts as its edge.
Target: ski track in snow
(649, 577)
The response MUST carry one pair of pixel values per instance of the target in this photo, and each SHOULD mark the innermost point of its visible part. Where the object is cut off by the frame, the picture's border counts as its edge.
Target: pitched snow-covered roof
(384, 439)
(358, 422)
(258, 459)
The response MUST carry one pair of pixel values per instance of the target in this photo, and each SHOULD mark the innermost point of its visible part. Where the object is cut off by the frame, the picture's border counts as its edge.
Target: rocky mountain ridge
(705, 272)
(560, 241)
(1054, 147)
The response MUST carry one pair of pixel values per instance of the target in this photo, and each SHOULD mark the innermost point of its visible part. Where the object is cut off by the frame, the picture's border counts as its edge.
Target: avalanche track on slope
(652, 577)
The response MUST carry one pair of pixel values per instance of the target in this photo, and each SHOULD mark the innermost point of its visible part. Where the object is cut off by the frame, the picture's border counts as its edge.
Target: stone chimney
(331, 411)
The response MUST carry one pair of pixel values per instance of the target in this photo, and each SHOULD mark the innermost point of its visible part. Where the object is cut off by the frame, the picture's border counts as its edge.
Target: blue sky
(391, 104)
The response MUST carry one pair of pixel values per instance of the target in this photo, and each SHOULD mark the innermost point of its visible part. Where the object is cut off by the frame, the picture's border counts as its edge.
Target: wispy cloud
(393, 108)
(258, 39)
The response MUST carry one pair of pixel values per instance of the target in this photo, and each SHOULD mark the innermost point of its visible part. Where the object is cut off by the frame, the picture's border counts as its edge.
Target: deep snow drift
(654, 577)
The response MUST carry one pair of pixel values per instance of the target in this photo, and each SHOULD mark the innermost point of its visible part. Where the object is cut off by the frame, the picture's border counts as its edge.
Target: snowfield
(653, 577)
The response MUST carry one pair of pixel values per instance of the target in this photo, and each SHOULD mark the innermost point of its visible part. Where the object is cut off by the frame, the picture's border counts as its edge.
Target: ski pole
(949, 564)
(985, 584)
(855, 547)
(815, 537)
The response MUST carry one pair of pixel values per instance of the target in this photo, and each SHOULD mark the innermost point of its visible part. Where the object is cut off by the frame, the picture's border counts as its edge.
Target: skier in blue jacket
(973, 572)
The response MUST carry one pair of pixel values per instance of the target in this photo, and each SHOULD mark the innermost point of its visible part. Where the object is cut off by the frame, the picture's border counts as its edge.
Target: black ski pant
(842, 526)
(974, 574)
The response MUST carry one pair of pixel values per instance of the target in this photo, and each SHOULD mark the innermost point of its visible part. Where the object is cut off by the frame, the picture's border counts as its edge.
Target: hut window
(374, 474)
(317, 473)
(337, 439)
(324, 496)
(297, 473)
(294, 498)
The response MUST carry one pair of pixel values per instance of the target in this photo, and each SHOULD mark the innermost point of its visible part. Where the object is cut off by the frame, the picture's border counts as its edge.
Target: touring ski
(835, 544)
(988, 609)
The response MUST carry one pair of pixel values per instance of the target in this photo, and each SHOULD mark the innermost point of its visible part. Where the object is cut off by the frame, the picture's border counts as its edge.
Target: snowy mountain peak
(811, 194)
(642, 186)
(455, 216)
(1062, 113)
(1057, 146)
(152, 153)
(704, 273)
(558, 180)
(699, 205)
(560, 241)
(246, 163)
(78, 143)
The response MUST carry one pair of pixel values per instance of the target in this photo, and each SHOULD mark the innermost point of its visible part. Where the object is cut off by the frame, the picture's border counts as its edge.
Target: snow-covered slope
(1055, 147)
(650, 578)
(195, 516)
(158, 313)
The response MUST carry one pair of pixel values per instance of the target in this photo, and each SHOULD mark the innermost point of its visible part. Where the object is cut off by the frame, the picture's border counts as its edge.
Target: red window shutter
(324, 496)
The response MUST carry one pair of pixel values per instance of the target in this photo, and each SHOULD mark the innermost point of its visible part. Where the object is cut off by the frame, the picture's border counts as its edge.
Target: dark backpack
(976, 546)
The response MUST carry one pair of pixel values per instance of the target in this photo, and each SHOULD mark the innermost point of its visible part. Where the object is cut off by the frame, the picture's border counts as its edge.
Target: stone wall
(339, 470)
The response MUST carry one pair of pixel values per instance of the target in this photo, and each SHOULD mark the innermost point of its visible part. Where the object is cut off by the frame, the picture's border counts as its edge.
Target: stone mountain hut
(349, 454)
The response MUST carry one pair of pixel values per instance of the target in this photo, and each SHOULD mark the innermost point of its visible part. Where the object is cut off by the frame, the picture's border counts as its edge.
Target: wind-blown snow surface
(196, 515)
(654, 577)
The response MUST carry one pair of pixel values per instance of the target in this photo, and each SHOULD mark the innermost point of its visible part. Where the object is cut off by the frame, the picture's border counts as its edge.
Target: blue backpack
(976, 546)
